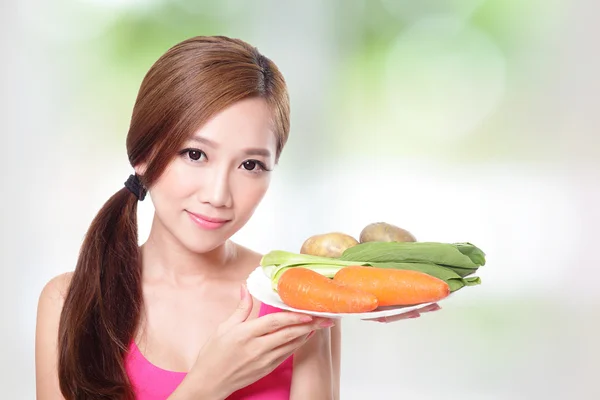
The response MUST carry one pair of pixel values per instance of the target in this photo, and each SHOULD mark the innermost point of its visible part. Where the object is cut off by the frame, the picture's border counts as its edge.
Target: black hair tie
(136, 187)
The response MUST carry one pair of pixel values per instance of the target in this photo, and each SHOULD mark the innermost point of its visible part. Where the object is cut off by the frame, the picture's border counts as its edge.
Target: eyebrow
(253, 151)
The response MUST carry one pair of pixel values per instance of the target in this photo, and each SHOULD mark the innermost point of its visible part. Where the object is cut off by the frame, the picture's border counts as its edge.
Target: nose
(217, 191)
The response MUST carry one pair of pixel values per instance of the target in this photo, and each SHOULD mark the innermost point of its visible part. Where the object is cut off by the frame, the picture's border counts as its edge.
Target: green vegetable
(464, 258)
(278, 261)
(464, 272)
(476, 255)
(281, 257)
(473, 280)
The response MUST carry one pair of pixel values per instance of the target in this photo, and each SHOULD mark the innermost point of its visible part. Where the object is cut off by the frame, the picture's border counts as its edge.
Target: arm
(46, 338)
(314, 373)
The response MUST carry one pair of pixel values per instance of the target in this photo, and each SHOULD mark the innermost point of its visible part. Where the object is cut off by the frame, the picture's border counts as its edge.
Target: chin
(202, 245)
(201, 241)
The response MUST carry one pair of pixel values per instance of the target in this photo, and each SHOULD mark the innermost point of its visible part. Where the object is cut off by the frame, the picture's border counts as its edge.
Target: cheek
(175, 183)
(249, 194)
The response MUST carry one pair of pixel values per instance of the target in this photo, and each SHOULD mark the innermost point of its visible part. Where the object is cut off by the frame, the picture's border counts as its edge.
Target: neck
(165, 258)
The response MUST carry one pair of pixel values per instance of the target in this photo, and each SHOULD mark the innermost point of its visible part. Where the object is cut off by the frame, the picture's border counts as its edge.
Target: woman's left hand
(411, 314)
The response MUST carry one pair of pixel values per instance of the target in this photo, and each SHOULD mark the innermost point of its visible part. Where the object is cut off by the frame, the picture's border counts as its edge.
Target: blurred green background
(459, 120)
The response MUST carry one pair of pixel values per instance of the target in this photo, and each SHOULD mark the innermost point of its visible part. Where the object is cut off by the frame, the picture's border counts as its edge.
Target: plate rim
(362, 316)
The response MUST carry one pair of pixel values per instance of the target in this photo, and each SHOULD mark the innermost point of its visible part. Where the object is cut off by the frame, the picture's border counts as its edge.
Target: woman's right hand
(242, 351)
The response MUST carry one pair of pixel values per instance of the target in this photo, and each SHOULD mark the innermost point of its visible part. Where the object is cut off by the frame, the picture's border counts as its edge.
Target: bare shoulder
(249, 258)
(56, 289)
(246, 252)
(50, 304)
(51, 301)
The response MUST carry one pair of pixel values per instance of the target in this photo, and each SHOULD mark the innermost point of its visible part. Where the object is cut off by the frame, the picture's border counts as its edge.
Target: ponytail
(102, 307)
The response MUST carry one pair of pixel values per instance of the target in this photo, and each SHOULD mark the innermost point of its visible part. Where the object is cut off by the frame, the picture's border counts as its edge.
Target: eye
(193, 154)
(254, 166)
(250, 165)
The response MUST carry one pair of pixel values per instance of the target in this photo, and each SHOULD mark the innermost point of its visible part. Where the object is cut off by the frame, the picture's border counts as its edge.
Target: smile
(207, 222)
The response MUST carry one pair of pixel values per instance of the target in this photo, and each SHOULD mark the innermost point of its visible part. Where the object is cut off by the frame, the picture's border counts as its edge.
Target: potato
(330, 245)
(384, 232)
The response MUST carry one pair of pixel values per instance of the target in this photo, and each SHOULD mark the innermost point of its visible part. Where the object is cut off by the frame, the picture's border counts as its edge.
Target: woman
(168, 320)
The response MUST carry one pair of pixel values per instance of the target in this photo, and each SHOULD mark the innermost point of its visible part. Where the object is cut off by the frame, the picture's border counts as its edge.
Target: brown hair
(190, 83)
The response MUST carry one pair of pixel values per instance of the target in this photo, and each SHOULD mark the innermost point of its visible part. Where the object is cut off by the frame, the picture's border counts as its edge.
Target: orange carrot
(394, 287)
(306, 289)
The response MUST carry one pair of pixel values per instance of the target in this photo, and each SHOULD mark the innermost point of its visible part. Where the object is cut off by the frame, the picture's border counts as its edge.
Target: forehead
(247, 123)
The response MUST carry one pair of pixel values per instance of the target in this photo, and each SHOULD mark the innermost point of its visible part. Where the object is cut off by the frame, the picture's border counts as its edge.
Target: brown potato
(384, 232)
(330, 245)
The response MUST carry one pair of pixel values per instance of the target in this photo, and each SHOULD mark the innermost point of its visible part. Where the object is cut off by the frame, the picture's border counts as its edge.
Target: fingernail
(306, 318)
(310, 334)
(326, 324)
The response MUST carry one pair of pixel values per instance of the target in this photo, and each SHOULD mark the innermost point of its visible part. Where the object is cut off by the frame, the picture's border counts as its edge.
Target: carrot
(393, 287)
(306, 289)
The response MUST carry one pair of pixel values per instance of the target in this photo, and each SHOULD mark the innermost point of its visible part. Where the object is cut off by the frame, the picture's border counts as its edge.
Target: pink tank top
(153, 383)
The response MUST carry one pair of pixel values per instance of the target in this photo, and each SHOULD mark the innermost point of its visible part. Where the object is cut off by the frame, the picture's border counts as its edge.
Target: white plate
(259, 286)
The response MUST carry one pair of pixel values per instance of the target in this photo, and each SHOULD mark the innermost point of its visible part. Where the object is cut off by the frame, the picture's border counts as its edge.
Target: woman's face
(211, 189)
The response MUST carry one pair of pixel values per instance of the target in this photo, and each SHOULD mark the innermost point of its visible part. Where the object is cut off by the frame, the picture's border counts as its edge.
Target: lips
(209, 219)
(206, 222)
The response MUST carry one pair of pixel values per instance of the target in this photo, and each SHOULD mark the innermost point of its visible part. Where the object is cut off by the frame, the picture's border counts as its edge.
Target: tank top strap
(267, 309)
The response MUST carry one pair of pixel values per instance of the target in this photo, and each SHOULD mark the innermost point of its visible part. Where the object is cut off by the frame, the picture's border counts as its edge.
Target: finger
(291, 333)
(412, 314)
(285, 350)
(395, 318)
(242, 312)
(429, 308)
(275, 321)
(282, 352)
(321, 323)
(399, 317)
